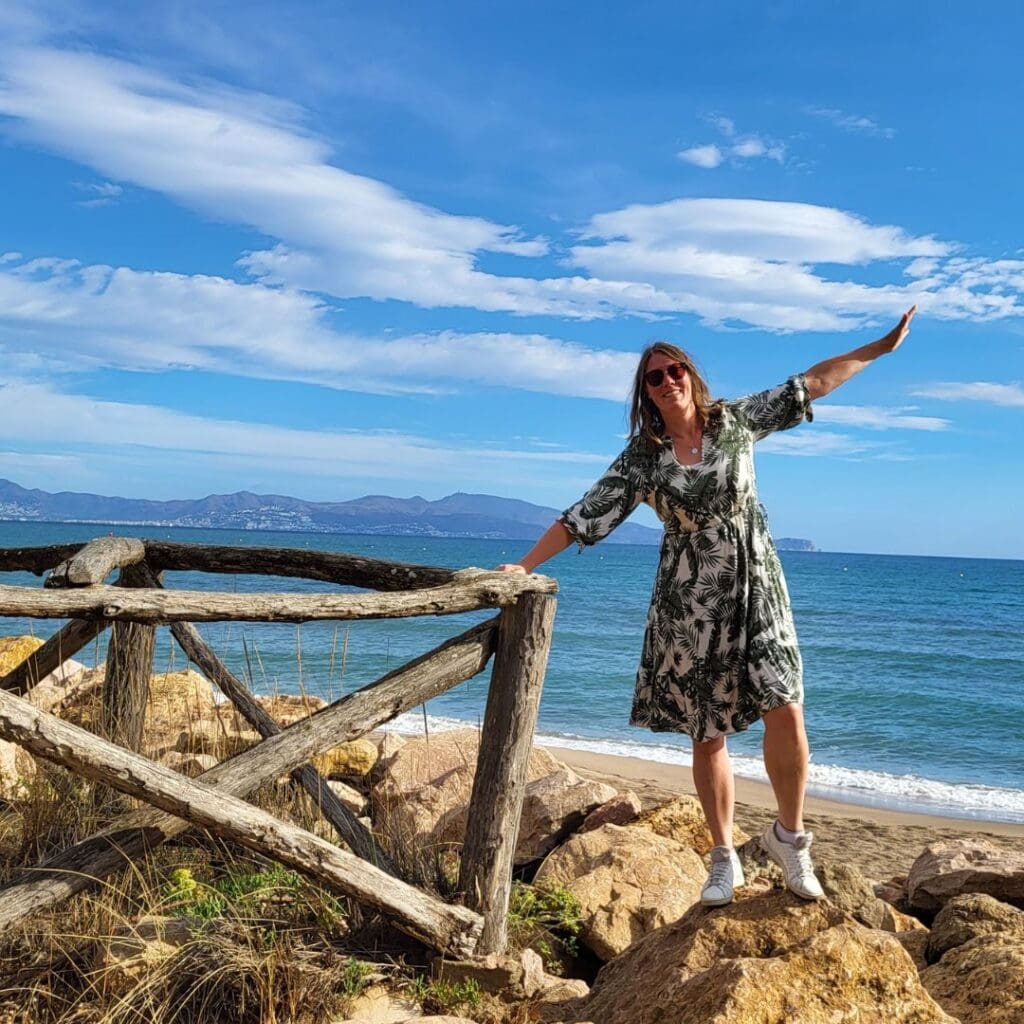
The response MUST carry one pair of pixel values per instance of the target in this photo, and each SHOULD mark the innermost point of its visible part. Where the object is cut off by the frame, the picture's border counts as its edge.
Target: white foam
(834, 782)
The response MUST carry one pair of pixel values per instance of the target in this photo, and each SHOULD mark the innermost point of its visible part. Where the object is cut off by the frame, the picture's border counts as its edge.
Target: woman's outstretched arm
(824, 377)
(555, 539)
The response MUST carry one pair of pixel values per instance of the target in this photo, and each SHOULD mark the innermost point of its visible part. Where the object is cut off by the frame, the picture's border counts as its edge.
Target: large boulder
(766, 959)
(177, 701)
(966, 917)
(982, 981)
(628, 881)
(15, 649)
(683, 820)
(422, 792)
(947, 869)
(621, 809)
(849, 890)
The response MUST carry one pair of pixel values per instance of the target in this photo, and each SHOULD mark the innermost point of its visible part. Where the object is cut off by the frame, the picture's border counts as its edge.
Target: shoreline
(882, 843)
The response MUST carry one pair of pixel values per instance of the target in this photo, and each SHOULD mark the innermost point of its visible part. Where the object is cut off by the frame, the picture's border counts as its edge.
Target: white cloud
(877, 417)
(852, 122)
(74, 421)
(975, 391)
(813, 443)
(708, 157)
(57, 313)
(246, 158)
(749, 148)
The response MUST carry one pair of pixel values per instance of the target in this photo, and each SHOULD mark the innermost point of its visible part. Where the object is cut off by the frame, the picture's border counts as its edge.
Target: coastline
(882, 842)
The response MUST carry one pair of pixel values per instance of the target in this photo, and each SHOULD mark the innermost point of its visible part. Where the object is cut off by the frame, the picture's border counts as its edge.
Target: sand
(881, 842)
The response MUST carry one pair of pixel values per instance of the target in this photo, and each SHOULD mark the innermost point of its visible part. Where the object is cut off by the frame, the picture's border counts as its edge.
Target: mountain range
(457, 515)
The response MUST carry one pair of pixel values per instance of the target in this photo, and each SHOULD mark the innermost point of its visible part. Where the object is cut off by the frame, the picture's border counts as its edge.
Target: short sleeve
(778, 408)
(610, 501)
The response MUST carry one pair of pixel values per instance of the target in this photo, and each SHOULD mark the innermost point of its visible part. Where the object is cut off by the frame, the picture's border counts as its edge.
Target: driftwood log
(96, 561)
(492, 830)
(348, 826)
(86, 864)
(64, 644)
(329, 566)
(36, 559)
(470, 590)
(443, 927)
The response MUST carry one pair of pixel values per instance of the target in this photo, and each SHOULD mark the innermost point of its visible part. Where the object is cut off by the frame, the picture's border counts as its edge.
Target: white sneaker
(725, 875)
(795, 860)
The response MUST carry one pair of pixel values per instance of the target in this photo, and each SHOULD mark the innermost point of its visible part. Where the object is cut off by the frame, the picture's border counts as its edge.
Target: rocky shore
(923, 921)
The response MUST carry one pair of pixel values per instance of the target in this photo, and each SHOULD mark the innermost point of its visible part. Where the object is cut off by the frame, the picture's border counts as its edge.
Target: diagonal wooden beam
(85, 865)
(64, 644)
(441, 926)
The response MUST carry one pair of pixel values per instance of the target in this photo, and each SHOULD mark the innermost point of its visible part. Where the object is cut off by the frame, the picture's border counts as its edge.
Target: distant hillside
(795, 544)
(458, 515)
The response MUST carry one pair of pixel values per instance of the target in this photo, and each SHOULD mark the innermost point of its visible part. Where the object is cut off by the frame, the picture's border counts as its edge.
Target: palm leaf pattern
(720, 646)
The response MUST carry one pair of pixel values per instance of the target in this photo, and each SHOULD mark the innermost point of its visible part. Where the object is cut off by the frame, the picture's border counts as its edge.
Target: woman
(720, 649)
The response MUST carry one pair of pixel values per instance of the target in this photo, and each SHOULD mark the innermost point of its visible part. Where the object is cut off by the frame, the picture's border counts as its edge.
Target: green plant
(355, 976)
(547, 918)
(447, 996)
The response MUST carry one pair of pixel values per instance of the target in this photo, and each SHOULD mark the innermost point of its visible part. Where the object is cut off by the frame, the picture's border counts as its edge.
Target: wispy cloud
(59, 313)
(738, 148)
(975, 391)
(78, 422)
(852, 122)
(247, 158)
(814, 443)
(875, 417)
(709, 156)
(100, 193)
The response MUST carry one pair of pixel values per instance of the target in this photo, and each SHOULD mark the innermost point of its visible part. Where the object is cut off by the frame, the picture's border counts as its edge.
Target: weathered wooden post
(520, 660)
(129, 666)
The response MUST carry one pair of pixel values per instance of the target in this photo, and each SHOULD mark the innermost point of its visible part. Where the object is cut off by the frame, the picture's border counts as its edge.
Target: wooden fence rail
(520, 637)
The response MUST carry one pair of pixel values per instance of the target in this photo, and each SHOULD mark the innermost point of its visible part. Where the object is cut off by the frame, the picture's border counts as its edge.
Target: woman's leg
(785, 759)
(712, 777)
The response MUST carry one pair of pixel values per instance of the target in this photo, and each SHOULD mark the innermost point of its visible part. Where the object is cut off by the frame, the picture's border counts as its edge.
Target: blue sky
(330, 249)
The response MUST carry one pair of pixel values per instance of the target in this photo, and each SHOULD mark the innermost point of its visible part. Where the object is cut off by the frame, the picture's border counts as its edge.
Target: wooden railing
(75, 589)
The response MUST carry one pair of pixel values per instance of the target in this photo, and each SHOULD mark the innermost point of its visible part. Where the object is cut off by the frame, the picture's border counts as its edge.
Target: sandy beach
(879, 841)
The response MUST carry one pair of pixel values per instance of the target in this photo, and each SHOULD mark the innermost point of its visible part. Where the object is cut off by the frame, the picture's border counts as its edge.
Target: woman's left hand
(894, 338)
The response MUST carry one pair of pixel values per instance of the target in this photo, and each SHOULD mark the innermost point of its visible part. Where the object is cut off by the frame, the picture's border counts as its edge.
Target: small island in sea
(795, 544)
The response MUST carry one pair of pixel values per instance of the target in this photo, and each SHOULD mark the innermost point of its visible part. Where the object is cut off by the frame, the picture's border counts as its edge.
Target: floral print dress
(720, 647)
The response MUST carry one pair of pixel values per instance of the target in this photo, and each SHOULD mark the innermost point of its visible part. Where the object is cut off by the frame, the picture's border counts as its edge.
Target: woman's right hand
(511, 567)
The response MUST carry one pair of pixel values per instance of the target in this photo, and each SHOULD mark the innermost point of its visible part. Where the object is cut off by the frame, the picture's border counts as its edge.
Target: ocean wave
(859, 786)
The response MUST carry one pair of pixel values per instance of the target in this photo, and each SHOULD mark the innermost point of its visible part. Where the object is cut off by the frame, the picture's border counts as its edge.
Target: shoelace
(802, 849)
(719, 874)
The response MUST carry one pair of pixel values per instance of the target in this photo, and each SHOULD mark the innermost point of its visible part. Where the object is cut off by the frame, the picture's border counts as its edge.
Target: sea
(913, 666)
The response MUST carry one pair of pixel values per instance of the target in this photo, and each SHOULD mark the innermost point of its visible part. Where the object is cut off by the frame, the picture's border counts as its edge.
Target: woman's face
(669, 396)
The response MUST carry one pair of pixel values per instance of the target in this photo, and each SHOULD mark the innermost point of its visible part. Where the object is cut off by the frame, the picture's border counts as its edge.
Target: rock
(553, 807)
(947, 869)
(558, 999)
(849, 890)
(176, 700)
(628, 881)
(893, 891)
(286, 709)
(351, 798)
(968, 916)
(15, 649)
(683, 820)
(188, 764)
(379, 1006)
(511, 977)
(131, 952)
(914, 942)
(621, 809)
(216, 738)
(443, 1019)
(894, 921)
(420, 799)
(352, 759)
(768, 959)
(982, 981)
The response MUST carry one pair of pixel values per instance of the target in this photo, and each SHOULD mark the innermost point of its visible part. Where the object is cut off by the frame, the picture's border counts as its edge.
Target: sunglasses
(674, 370)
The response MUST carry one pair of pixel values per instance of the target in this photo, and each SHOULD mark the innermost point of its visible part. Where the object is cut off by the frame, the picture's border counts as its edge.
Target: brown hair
(645, 422)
